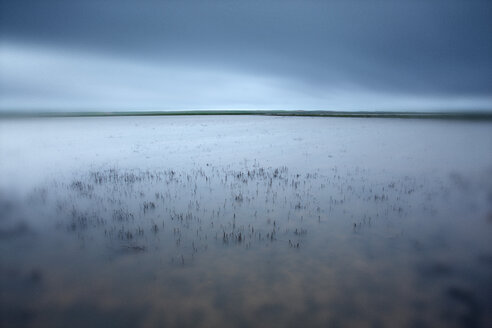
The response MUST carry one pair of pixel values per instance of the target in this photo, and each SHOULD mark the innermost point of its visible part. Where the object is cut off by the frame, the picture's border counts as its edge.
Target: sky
(118, 55)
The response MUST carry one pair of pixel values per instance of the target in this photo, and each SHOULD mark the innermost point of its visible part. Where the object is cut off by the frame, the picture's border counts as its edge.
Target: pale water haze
(245, 221)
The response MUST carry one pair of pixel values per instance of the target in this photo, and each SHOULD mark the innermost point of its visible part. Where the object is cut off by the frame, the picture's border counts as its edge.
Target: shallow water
(245, 221)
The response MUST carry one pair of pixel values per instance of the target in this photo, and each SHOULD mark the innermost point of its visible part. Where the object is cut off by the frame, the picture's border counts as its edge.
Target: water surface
(245, 221)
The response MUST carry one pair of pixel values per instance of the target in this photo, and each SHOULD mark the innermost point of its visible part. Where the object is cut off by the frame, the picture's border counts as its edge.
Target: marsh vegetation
(212, 228)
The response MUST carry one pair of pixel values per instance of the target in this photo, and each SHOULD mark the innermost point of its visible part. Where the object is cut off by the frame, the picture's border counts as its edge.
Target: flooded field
(245, 222)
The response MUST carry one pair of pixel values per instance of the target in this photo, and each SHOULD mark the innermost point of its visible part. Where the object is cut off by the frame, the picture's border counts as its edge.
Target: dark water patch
(464, 308)
(85, 314)
(17, 316)
(485, 259)
(221, 246)
(18, 230)
(435, 270)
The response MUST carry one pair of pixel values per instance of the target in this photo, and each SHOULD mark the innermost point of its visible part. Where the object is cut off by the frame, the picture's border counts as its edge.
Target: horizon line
(457, 115)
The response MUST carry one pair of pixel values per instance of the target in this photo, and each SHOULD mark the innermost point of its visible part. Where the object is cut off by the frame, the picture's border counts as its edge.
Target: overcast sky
(231, 54)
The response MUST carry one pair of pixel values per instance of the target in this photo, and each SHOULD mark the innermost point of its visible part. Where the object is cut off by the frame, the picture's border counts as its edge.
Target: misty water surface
(245, 221)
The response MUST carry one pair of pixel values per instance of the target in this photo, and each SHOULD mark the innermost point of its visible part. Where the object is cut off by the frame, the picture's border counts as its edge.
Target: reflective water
(245, 221)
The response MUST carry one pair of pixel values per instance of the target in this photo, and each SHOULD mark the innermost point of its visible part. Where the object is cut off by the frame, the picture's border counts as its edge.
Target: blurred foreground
(245, 221)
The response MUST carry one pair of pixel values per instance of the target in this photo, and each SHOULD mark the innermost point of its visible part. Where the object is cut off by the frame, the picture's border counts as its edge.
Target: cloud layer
(334, 55)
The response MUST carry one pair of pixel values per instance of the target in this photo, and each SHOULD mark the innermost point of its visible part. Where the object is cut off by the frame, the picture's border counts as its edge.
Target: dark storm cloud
(411, 47)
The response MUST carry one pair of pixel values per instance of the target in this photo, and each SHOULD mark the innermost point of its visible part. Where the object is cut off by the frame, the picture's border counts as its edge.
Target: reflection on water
(150, 222)
(258, 246)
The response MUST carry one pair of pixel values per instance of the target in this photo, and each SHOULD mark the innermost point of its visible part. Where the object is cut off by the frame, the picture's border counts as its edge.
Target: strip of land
(462, 115)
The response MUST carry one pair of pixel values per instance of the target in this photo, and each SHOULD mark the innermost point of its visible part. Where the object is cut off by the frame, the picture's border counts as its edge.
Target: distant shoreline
(476, 116)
